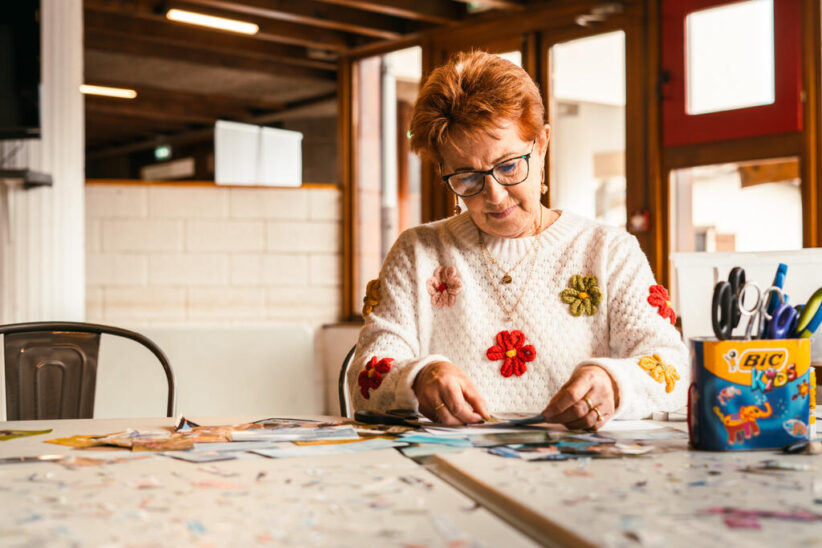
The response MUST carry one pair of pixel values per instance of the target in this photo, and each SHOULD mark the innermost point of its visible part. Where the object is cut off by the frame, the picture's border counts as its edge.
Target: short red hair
(470, 93)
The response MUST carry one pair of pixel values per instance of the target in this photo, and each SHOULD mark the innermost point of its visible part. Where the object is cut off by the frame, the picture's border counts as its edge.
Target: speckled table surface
(679, 497)
(377, 498)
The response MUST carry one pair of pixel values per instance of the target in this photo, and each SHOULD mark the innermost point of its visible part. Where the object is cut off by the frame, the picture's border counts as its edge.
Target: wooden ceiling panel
(270, 30)
(440, 12)
(315, 13)
(187, 76)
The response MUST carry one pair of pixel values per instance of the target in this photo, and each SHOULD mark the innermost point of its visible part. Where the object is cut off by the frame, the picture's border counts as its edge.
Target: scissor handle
(755, 312)
(783, 321)
(722, 309)
(736, 278)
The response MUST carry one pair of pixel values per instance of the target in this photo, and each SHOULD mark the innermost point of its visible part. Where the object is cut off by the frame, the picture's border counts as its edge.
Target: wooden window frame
(784, 115)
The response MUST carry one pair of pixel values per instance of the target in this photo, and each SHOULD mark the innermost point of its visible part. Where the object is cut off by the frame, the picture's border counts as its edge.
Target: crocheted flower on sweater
(371, 376)
(659, 297)
(444, 286)
(660, 371)
(584, 295)
(372, 297)
(511, 347)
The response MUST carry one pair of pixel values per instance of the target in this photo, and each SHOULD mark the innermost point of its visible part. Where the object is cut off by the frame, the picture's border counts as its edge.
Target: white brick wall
(176, 255)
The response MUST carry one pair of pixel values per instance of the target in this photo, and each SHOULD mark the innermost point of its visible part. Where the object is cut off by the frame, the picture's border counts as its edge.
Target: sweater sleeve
(389, 353)
(648, 361)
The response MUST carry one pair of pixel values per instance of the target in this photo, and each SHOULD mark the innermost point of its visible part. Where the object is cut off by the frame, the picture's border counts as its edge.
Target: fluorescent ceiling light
(222, 23)
(121, 93)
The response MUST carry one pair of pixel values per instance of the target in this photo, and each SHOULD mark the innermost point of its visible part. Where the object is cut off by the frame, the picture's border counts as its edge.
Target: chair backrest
(51, 368)
(343, 384)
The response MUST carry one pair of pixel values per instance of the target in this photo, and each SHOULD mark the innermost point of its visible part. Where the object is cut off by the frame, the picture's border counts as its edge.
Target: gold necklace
(506, 274)
(509, 312)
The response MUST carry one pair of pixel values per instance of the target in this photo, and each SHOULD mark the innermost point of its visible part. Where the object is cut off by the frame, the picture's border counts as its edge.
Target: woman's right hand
(447, 396)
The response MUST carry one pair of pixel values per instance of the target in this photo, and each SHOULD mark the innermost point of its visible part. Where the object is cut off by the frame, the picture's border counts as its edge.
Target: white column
(43, 249)
(389, 157)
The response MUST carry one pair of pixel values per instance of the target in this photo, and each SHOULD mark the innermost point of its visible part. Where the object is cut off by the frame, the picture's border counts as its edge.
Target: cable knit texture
(622, 329)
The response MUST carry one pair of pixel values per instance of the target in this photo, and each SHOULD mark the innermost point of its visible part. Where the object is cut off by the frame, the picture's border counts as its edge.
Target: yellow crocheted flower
(584, 295)
(372, 297)
(660, 371)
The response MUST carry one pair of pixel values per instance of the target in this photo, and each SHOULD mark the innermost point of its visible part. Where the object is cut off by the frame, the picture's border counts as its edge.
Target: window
(588, 122)
(732, 70)
(751, 206)
(731, 45)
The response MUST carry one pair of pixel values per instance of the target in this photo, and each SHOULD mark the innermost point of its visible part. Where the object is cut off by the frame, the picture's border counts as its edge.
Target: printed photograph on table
(750, 394)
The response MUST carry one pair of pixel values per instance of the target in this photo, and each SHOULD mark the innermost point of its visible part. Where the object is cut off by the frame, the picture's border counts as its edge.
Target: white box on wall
(245, 154)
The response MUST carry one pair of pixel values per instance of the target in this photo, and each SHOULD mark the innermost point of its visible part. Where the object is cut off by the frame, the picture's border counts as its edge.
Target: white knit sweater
(406, 327)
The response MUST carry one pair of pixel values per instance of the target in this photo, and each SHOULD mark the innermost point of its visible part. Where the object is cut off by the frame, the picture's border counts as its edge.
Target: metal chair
(51, 368)
(343, 381)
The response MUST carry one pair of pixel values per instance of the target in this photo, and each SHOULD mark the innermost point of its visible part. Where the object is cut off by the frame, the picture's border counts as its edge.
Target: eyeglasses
(510, 172)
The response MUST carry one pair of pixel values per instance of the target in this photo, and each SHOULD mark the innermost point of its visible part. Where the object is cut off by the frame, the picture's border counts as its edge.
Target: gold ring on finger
(590, 405)
(599, 415)
(440, 406)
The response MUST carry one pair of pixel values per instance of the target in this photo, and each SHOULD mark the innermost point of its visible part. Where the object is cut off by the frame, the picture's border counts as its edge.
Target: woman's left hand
(590, 389)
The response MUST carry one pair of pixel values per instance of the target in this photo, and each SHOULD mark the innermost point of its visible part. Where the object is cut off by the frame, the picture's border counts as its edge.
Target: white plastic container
(245, 154)
(694, 276)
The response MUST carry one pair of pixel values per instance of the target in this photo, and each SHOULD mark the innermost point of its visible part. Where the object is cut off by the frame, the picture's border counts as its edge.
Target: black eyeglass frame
(485, 173)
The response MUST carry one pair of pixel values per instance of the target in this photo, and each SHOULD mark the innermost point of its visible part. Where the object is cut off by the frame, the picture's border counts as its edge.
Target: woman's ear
(543, 139)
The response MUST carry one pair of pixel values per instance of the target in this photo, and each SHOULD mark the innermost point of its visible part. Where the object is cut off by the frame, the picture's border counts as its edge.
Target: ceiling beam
(440, 12)
(99, 105)
(200, 54)
(156, 103)
(314, 13)
(270, 31)
(512, 5)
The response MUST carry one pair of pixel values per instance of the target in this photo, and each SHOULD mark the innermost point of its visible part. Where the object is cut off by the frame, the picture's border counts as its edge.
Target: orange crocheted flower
(371, 376)
(659, 297)
(444, 286)
(660, 371)
(511, 347)
(372, 297)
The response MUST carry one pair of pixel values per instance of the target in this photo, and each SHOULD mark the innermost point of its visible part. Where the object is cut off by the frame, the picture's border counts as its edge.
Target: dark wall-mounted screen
(20, 69)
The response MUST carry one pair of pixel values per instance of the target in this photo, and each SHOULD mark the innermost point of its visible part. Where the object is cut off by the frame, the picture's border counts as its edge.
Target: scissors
(725, 307)
(810, 317)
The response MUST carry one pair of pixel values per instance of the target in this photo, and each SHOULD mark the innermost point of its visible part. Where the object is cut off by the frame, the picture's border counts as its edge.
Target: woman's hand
(590, 389)
(447, 396)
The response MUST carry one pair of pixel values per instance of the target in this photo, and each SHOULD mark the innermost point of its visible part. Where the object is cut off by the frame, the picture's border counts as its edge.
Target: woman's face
(502, 211)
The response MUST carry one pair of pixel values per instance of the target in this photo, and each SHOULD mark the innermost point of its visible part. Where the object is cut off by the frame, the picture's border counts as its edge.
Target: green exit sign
(162, 152)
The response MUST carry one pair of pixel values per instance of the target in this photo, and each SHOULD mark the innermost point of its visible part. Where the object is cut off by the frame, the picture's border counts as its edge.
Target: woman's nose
(494, 192)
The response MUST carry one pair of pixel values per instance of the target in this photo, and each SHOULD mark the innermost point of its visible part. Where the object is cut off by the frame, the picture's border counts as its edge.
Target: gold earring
(457, 209)
(543, 189)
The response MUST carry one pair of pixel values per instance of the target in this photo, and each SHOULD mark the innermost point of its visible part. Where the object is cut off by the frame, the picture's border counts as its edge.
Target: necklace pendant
(506, 279)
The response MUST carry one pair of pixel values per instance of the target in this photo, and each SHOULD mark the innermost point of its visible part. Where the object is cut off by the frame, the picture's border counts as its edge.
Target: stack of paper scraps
(281, 438)
(542, 442)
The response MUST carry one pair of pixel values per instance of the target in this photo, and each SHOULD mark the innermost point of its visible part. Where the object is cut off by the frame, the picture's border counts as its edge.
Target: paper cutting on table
(314, 450)
(14, 434)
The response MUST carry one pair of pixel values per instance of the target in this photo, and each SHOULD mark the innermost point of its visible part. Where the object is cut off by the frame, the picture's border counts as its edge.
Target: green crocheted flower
(584, 295)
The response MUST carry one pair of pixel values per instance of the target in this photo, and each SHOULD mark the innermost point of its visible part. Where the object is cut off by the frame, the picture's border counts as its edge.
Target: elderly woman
(510, 306)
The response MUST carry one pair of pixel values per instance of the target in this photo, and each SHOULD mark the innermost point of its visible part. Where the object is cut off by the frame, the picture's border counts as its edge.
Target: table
(382, 498)
(658, 500)
(374, 498)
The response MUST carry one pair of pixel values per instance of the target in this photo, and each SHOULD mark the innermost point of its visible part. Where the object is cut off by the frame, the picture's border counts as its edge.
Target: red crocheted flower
(659, 297)
(511, 347)
(371, 376)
